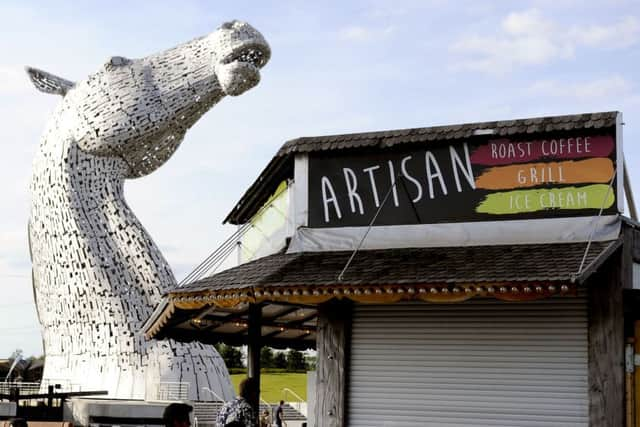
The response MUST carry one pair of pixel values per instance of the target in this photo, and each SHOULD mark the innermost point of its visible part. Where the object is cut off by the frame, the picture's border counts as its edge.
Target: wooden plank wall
(332, 365)
(606, 340)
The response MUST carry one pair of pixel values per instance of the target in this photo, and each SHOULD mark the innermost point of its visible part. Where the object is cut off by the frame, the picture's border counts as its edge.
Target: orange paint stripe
(597, 170)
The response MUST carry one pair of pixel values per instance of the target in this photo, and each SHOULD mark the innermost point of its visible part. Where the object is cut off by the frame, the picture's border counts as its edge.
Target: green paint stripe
(566, 198)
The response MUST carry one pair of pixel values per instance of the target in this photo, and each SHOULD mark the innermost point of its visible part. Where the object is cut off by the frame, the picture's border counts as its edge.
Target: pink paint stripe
(505, 151)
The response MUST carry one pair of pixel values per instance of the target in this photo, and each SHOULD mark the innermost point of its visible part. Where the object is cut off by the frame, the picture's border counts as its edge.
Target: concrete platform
(95, 412)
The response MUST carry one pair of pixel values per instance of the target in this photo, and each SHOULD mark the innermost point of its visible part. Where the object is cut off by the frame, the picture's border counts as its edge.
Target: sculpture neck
(80, 196)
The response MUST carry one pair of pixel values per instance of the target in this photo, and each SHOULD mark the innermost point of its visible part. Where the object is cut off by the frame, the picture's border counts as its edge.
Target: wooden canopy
(287, 288)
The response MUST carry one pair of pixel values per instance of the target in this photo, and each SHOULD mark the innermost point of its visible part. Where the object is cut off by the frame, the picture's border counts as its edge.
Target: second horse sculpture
(97, 275)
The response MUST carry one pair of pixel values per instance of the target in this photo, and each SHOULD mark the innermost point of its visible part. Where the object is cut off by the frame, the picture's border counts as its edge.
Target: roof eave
(258, 193)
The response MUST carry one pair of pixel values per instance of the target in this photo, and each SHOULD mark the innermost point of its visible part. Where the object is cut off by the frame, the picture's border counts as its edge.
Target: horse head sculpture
(97, 274)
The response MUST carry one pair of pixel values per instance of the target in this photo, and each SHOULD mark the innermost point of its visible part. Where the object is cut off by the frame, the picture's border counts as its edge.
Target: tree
(266, 357)
(231, 355)
(280, 360)
(311, 363)
(295, 361)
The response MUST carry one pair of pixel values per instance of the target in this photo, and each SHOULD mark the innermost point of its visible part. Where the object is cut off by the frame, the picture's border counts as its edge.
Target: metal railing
(169, 391)
(300, 405)
(216, 395)
(27, 388)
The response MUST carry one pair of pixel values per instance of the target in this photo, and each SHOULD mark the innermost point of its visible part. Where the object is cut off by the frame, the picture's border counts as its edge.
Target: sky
(336, 67)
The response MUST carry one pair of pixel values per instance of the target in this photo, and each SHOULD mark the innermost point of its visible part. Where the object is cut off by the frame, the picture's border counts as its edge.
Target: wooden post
(332, 366)
(636, 373)
(49, 401)
(629, 401)
(606, 344)
(253, 351)
(15, 395)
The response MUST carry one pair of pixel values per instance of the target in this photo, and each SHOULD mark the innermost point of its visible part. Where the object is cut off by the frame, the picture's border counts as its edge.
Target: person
(17, 422)
(238, 412)
(177, 415)
(265, 421)
(280, 415)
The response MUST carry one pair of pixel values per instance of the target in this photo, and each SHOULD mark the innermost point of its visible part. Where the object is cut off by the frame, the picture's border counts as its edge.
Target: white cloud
(605, 88)
(529, 22)
(496, 55)
(622, 34)
(357, 33)
(528, 38)
(13, 79)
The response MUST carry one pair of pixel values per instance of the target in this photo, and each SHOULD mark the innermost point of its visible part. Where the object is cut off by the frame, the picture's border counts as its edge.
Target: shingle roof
(503, 128)
(281, 166)
(289, 286)
(422, 266)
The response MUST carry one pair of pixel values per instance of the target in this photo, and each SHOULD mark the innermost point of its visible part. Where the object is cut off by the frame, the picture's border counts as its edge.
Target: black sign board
(495, 179)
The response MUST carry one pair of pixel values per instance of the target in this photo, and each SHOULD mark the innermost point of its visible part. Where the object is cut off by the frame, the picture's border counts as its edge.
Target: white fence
(168, 391)
(27, 388)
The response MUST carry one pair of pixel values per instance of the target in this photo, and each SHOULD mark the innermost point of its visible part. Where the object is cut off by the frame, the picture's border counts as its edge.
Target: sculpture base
(85, 412)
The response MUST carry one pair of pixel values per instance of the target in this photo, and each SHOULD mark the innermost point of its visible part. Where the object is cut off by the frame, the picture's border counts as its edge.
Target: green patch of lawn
(271, 386)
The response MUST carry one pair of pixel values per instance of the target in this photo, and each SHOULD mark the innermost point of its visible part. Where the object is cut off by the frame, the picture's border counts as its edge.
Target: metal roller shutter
(478, 363)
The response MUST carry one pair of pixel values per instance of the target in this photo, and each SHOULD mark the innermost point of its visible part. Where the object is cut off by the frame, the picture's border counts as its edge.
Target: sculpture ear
(48, 83)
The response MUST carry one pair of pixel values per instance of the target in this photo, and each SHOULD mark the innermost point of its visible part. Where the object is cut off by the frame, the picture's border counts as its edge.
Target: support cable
(220, 254)
(596, 221)
(221, 261)
(629, 193)
(204, 265)
(373, 220)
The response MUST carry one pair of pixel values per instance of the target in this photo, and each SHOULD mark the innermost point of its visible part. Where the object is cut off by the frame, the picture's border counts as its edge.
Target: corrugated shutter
(478, 363)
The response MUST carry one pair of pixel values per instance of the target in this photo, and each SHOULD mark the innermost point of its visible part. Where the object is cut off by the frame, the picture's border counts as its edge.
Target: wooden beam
(606, 342)
(208, 321)
(302, 320)
(212, 325)
(237, 339)
(286, 310)
(333, 359)
(291, 325)
(223, 314)
(274, 334)
(211, 320)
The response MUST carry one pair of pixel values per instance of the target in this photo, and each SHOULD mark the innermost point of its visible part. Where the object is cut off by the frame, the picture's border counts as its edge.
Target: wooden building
(469, 275)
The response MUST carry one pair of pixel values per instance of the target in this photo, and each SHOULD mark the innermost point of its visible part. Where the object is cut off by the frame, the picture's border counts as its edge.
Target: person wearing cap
(177, 415)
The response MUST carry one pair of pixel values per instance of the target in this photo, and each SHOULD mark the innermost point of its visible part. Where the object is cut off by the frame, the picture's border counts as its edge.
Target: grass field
(271, 385)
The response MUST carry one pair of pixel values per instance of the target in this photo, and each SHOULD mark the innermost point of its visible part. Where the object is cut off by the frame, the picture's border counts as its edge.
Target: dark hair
(176, 412)
(282, 402)
(18, 422)
(248, 387)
